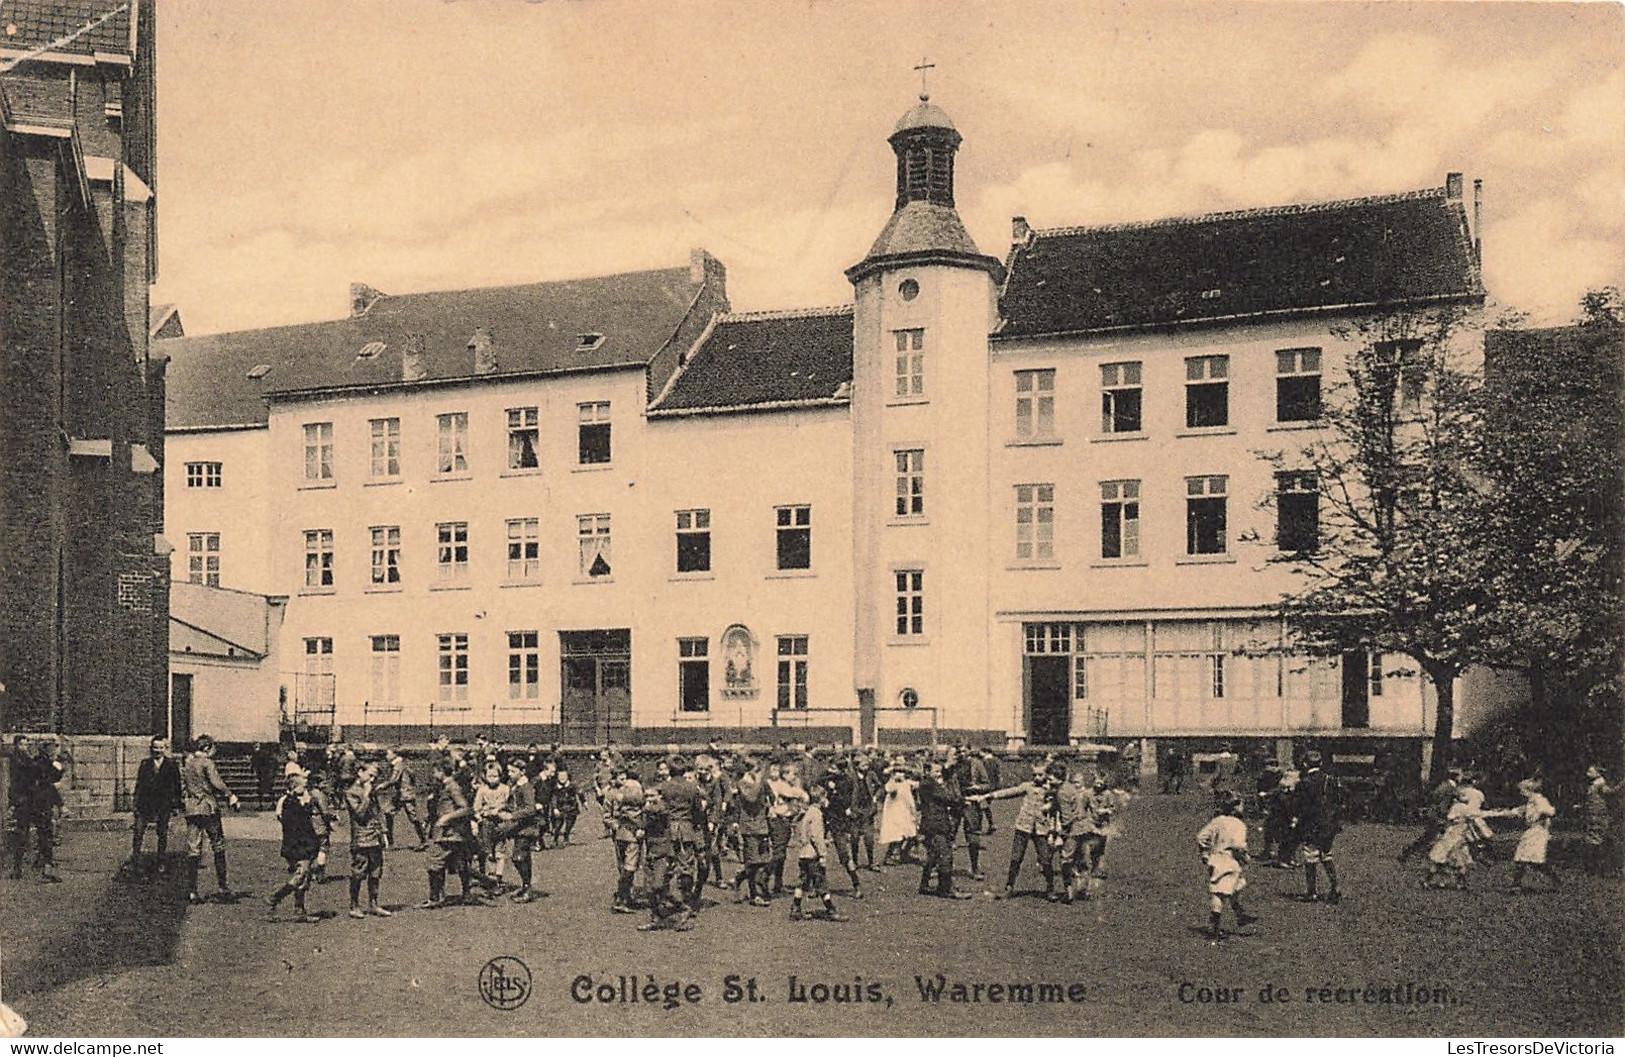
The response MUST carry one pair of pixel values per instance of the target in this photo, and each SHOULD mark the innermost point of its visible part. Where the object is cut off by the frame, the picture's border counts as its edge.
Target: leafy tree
(1397, 566)
(1551, 533)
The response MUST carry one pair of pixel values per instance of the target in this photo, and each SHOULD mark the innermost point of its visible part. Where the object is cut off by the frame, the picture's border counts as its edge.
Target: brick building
(83, 569)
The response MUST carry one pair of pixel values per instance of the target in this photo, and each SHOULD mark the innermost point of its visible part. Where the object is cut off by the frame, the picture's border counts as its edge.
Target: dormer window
(259, 370)
(589, 342)
(370, 350)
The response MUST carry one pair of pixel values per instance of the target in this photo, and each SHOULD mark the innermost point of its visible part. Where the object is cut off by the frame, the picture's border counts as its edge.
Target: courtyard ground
(95, 956)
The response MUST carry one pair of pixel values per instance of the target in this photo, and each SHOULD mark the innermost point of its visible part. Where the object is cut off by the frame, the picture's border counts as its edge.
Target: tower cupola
(925, 141)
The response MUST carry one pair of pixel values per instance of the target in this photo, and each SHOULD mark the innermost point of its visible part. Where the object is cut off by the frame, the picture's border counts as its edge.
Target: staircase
(238, 772)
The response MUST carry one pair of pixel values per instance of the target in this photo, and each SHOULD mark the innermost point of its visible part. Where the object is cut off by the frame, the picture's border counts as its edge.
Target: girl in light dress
(899, 815)
(1452, 853)
(1530, 854)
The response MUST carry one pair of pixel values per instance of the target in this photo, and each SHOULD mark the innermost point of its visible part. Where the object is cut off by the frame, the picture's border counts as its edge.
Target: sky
(443, 144)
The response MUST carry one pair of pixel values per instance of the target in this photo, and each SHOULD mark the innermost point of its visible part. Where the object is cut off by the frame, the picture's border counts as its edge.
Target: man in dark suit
(157, 796)
(940, 805)
(33, 777)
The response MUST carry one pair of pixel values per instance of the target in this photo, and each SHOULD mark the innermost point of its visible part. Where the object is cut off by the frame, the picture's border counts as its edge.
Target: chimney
(485, 353)
(1478, 232)
(362, 297)
(1019, 231)
(412, 367)
(702, 267)
(1452, 186)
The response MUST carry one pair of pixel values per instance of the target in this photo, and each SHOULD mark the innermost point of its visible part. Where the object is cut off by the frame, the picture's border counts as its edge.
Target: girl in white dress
(1530, 854)
(899, 815)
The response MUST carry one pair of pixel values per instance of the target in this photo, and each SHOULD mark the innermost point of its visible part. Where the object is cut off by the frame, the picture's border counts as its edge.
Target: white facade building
(1016, 501)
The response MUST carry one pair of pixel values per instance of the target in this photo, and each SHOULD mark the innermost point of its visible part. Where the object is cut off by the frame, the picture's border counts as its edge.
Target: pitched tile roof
(534, 328)
(29, 24)
(1289, 259)
(765, 360)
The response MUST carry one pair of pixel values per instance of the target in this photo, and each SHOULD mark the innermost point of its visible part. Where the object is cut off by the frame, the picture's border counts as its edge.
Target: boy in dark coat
(1316, 805)
(303, 827)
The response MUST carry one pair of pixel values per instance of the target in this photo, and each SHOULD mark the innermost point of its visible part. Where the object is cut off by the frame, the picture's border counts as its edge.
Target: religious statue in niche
(738, 662)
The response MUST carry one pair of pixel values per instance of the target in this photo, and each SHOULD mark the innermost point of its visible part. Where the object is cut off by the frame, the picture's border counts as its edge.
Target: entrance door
(1049, 700)
(180, 710)
(595, 673)
(1356, 689)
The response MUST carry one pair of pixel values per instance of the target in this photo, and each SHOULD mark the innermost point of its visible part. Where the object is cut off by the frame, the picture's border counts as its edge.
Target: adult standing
(202, 790)
(397, 794)
(263, 762)
(157, 796)
(33, 782)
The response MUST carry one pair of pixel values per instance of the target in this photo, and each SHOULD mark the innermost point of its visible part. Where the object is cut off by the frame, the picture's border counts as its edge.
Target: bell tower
(924, 301)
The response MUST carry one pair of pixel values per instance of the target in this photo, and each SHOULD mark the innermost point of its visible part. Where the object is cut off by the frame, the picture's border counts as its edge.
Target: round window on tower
(908, 289)
(909, 698)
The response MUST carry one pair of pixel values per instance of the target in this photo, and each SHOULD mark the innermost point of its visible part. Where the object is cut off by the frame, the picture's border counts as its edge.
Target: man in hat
(202, 789)
(971, 774)
(1319, 819)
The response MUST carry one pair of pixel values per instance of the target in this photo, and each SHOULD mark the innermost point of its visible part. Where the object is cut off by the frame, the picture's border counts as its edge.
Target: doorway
(595, 699)
(1049, 699)
(180, 709)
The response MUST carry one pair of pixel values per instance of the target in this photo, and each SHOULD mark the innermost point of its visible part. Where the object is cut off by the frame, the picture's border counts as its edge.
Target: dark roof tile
(29, 24)
(765, 359)
(1405, 247)
(534, 328)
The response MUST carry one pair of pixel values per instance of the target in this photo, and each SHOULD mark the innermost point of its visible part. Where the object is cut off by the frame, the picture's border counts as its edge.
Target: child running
(1222, 844)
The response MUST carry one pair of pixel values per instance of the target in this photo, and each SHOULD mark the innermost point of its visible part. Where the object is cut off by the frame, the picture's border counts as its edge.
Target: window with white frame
(1297, 385)
(318, 558)
(316, 692)
(524, 549)
(593, 540)
(203, 558)
(386, 555)
(693, 541)
(386, 672)
(1374, 674)
(592, 433)
(1205, 531)
(1119, 519)
(1207, 391)
(1121, 398)
(910, 467)
(1035, 404)
(1035, 522)
(524, 435)
(910, 372)
(452, 455)
(794, 536)
(694, 675)
(524, 666)
(452, 551)
(453, 654)
(792, 672)
(318, 451)
(1190, 661)
(386, 446)
(910, 602)
(203, 474)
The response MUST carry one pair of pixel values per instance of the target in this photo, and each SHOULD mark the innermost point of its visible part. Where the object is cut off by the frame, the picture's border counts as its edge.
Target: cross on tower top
(925, 95)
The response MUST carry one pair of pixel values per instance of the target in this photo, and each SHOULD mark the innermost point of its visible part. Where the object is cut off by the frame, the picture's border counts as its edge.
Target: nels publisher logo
(505, 983)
